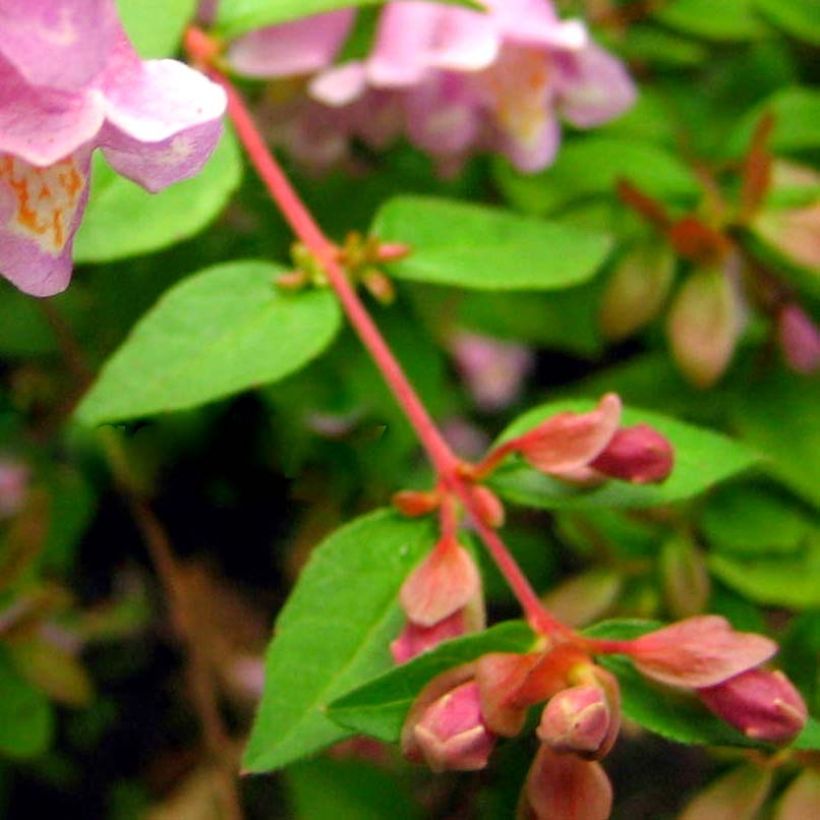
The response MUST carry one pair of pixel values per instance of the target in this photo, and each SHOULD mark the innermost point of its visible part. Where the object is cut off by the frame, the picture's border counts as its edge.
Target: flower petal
(300, 47)
(61, 44)
(40, 210)
(42, 126)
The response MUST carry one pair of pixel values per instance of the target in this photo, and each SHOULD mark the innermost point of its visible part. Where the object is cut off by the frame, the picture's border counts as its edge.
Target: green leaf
(786, 580)
(123, 219)
(777, 415)
(380, 706)
(809, 738)
(796, 111)
(726, 20)
(667, 712)
(223, 330)
(26, 716)
(454, 243)
(799, 18)
(155, 26)
(328, 789)
(755, 521)
(592, 166)
(333, 634)
(238, 17)
(703, 458)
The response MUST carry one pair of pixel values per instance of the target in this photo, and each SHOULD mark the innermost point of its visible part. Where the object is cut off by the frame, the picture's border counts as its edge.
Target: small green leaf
(238, 17)
(786, 580)
(333, 634)
(26, 717)
(592, 166)
(221, 331)
(809, 739)
(726, 20)
(799, 18)
(380, 706)
(673, 714)
(155, 26)
(777, 415)
(123, 219)
(796, 114)
(454, 243)
(703, 458)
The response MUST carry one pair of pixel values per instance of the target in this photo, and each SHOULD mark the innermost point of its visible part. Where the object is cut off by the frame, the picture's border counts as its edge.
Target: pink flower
(698, 652)
(447, 731)
(638, 454)
(799, 339)
(565, 786)
(70, 82)
(764, 705)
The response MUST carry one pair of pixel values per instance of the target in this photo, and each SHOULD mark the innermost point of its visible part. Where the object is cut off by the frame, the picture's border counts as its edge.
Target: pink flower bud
(446, 581)
(413, 503)
(415, 639)
(638, 454)
(449, 733)
(799, 339)
(764, 705)
(565, 787)
(698, 652)
(488, 506)
(703, 325)
(570, 440)
(583, 719)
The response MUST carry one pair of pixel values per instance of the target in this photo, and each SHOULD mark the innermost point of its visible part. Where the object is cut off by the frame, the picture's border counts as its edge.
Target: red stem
(444, 461)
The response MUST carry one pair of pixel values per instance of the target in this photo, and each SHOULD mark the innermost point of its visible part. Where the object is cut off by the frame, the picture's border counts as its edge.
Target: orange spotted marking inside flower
(46, 199)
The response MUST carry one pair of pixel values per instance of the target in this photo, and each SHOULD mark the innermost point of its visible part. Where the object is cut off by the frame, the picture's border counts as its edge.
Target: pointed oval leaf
(703, 458)
(454, 243)
(221, 331)
(380, 706)
(26, 716)
(333, 634)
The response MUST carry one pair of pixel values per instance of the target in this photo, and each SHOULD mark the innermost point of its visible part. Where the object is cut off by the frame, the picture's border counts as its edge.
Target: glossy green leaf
(668, 712)
(800, 18)
(333, 634)
(155, 27)
(26, 716)
(123, 219)
(454, 243)
(592, 166)
(380, 706)
(778, 416)
(237, 17)
(725, 20)
(223, 330)
(809, 738)
(703, 458)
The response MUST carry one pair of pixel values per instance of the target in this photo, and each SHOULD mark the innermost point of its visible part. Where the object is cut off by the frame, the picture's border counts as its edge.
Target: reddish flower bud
(413, 503)
(577, 720)
(638, 454)
(698, 652)
(704, 324)
(415, 639)
(449, 732)
(569, 440)
(488, 506)
(739, 795)
(764, 705)
(799, 339)
(565, 787)
(446, 581)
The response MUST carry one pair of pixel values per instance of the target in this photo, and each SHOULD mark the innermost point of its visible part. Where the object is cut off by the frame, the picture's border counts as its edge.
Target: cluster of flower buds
(587, 448)
(452, 80)
(70, 82)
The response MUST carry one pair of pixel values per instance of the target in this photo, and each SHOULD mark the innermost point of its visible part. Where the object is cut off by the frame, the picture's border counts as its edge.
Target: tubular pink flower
(764, 705)
(698, 652)
(70, 82)
(638, 454)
